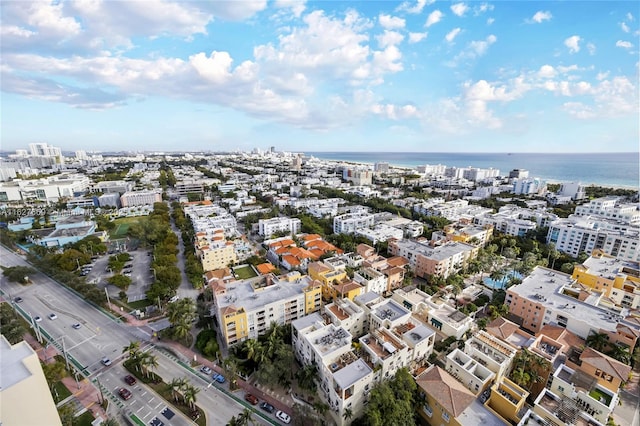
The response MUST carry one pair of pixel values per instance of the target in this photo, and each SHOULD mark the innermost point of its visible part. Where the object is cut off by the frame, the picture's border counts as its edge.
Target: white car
(206, 370)
(105, 361)
(284, 417)
(53, 317)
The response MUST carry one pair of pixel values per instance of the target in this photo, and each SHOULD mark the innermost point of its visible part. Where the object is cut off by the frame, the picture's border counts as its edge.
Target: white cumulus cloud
(573, 43)
(624, 44)
(391, 22)
(389, 38)
(413, 9)
(547, 71)
(433, 18)
(540, 16)
(451, 35)
(624, 27)
(459, 9)
(416, 37)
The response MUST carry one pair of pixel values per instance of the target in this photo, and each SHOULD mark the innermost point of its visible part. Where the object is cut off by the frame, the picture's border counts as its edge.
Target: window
(445, 416)
(427, 409)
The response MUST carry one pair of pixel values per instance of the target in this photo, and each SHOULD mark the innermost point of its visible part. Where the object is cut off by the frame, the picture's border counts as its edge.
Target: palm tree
(132, 350)
(254, 350)
(498, 311)
(148, 362)
(190, 393)
(620, 353)
(521, 377)
(175, 385)
(182, 332)
(456, 289)
(523, 358)
(597, 341)
(306, 377)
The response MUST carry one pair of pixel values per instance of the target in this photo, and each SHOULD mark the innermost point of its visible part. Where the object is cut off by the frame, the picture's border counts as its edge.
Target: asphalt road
(144, 403)
(218, 406)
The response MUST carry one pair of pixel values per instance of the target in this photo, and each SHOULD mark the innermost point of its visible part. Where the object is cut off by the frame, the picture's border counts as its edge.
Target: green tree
(54, 372)
(392, 401)
(18, 274)
(597, 341)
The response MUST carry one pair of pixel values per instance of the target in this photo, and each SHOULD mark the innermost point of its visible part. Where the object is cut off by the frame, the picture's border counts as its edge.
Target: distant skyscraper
(81, 155)
(272, 149)
(519, 173)
(381, 168)
(46, 150)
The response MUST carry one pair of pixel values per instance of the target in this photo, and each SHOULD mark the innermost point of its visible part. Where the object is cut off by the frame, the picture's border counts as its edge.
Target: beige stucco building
(23, 387)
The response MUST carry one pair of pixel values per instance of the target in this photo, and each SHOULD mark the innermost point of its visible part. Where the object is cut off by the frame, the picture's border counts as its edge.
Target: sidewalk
(84, 392)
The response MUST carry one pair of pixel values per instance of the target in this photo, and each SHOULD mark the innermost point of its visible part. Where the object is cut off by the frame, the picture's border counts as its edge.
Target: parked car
(206, 370)
(124, 393)
(284, 417)
(252, 399)
(53, 316)
(18, 299)
(76, 325)
(105, 361)
(37, 319)
(267, 407)
(130, 380)
(218, 378)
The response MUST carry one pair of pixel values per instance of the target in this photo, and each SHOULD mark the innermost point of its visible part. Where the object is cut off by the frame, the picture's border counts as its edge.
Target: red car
(124, 393)
(252, 399)
(130, 380)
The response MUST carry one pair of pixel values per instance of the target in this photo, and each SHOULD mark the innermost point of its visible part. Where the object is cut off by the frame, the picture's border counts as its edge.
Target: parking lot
(137, 269)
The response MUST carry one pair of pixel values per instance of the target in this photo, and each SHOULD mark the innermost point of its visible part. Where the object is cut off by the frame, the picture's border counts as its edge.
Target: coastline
(616, 166)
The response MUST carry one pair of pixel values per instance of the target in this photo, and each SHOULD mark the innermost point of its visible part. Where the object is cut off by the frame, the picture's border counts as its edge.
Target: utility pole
(107, 294)
(64, 352)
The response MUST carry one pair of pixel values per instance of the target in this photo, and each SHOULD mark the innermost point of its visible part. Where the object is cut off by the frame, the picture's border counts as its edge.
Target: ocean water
(610, 169)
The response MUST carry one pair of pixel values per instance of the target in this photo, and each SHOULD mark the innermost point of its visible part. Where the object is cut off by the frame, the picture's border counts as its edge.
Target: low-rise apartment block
(617, 279)
(611, 208)
(268, 227)
(578, 234)
(426, 260)
(351, 222)
(214, 251)
(140, 198)
(550, 297)
(245, 309)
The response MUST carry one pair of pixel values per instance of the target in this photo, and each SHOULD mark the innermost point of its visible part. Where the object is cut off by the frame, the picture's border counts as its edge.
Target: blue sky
(419, 75)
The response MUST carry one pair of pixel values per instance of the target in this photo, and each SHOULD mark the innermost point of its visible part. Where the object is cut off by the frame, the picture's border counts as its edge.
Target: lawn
(600, 396)
(84, 419)
(61, 390)
(245, 272)
(122, 226)
(140, 304)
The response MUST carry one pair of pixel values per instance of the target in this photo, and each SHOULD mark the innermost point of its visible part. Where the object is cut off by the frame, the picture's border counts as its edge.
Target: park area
(122, 226)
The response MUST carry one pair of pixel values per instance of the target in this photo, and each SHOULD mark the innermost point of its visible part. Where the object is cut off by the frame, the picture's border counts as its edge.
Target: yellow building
(214, 251)
(328, 276)
(507, 399)
(25, 399)
(247, 308)
(617, 279)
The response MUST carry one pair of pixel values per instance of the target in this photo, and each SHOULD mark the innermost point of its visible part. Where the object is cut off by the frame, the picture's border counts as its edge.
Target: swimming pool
(501, 283)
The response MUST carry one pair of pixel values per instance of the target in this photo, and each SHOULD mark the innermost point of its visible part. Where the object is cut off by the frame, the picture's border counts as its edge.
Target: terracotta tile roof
(311, 237)
(196, 203)
(502, 328)
(265, 268)
(397, 261)
(291, 260)
(447, 391)
(229, 310)
(561, 335)
(605, 363)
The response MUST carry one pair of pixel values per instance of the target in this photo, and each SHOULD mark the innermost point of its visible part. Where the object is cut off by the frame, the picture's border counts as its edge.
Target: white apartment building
(469, 371)
(379, 233)
(528, 186)
(371, 280)
(345, 380)
(358, 177)
(268, 227)
(349, 223)
(140, 198)
(577, 234)
(493, 353)
(346, 314)
(611, 208)
(575, 190)
(516, 221)
(49, 189)
(46, 150)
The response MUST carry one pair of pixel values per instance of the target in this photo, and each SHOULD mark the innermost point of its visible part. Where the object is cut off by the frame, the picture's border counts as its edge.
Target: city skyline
(381, 76)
